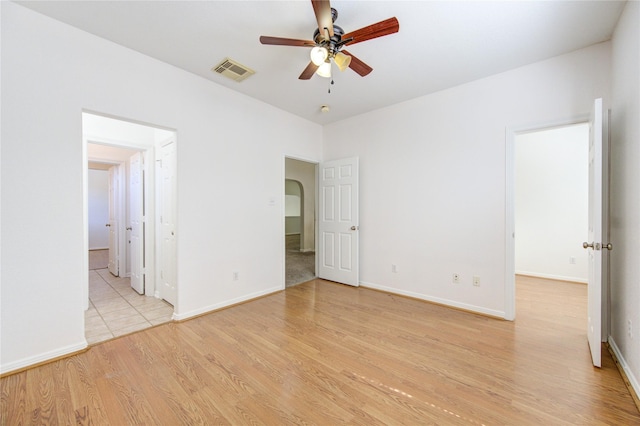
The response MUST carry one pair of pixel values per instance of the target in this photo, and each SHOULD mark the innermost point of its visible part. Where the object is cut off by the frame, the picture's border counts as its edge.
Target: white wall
(119, 131)
(432, 176)
(98, 205)
(50, 73)
(551, 202)
(625, 192)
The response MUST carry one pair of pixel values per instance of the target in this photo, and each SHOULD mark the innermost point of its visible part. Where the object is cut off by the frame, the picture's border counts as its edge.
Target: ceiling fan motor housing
(333, 44)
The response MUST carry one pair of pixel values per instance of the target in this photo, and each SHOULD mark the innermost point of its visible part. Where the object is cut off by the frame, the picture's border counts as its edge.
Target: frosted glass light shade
(318, 55)
(342, 60)
(324, 70)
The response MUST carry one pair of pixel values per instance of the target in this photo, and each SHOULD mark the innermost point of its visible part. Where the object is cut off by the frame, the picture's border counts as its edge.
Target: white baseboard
(32, 360)
(633, 380)
(216, 306)
(552, 277)
(438, 300)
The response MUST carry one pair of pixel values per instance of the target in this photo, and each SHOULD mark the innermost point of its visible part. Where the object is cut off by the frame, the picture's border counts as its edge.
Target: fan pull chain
(329, 91)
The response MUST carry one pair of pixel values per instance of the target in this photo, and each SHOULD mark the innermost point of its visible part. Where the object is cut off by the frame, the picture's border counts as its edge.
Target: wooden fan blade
(322, 9)
(279, 41)
(357, 65)
(308, 71)
(382, 28)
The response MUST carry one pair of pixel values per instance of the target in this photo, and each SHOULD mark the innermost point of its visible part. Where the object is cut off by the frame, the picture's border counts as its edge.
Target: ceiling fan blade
(322, 9)
(279, 41)
(357, 65)
(308, 71)
(382, 28)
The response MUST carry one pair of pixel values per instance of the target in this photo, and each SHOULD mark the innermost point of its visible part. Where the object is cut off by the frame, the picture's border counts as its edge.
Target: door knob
(587, 245)
(353, 228)
(607, 246)
(129, 228)
(108, 224)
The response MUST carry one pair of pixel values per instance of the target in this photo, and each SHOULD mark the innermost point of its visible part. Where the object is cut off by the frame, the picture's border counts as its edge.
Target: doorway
(300, 221)
(126, 297)
(564, 259)
(551, 203)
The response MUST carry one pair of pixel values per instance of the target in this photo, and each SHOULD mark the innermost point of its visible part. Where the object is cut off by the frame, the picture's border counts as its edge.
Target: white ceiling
(440, 44)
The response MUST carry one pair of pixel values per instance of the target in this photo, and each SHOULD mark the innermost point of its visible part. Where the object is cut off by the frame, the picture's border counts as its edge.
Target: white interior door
(113, 220)
(137, 223)
(338, 221)
(598, 186)
(168, 275)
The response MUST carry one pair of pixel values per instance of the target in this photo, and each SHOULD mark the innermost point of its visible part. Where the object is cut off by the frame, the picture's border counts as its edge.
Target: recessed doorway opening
(129, 202)
(300, 221)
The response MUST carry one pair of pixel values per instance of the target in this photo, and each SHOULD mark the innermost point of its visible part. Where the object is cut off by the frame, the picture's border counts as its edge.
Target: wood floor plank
(324, 353)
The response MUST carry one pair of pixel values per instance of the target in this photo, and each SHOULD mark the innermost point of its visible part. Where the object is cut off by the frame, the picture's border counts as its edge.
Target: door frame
(316, 164)
(159, 200)
(510, 140)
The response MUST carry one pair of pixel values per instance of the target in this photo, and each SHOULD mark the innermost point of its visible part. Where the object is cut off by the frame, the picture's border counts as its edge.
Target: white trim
(120, 143)
(509, 231)
(553, 277)
(217, 306)
(85, 228)
(121, 212)
(438, 300)
(510, 228)
(635, 384)
(28, 362)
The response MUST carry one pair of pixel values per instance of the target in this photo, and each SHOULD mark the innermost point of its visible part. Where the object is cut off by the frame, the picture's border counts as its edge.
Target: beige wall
(305, 173)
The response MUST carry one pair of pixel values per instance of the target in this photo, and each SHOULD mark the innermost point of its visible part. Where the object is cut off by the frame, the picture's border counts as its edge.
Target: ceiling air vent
(233, 70)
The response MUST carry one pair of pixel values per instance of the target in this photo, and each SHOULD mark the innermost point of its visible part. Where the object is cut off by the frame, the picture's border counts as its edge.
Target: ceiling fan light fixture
(324, 70)
(319, 55)
(342, 61)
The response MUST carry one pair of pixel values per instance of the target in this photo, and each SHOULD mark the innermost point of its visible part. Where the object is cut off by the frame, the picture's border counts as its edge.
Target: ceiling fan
(329, 40)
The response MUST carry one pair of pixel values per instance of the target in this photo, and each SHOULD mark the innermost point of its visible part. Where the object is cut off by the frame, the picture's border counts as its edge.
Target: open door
(114, 266)
(168, 275)
(338, 221)
(598, 190)
(136, 216)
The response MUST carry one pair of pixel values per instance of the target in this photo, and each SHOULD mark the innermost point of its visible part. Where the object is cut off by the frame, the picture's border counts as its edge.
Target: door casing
(510, 137)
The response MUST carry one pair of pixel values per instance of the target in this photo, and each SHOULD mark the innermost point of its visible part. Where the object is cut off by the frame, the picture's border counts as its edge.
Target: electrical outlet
(456, 278)
(629, 329)
(394, 268)
(476, 281)
(236, 275)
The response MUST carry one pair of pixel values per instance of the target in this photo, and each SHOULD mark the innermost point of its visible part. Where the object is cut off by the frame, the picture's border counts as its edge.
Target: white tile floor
(115, 309)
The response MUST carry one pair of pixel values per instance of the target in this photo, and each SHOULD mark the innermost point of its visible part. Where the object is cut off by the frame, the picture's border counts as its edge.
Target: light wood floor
(324, 353)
